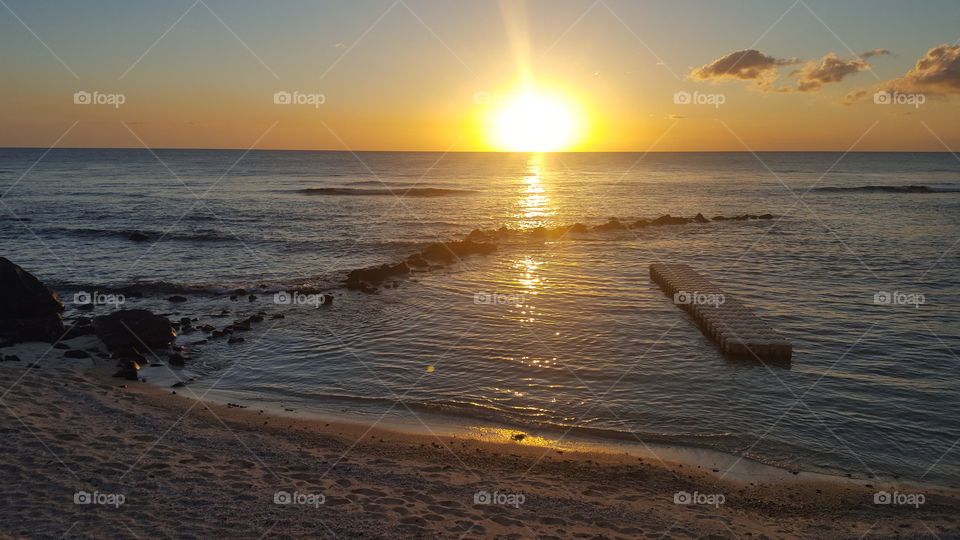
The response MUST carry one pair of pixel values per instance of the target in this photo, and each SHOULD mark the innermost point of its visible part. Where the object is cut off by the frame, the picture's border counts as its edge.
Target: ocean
(565, 338)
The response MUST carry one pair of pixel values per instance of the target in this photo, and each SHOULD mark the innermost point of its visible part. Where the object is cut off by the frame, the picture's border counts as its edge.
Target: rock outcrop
(133, 329)
(29, 310)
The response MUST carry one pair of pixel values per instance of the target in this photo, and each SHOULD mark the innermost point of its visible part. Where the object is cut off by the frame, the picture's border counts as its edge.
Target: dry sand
(188, 469)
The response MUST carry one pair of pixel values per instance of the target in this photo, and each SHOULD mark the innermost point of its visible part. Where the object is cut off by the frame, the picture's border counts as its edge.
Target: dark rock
(700, 219)
(207, 328)
(177, 298)
(519, 436)
(256, 318)
(252, 297)
(765, 216)
(83, 307)
(240, 292)
(127, 374)
(613, 224)
(417, 261)
(235, 340)
(477, 235)
(177, 359)
(129, 370)
(201, 342)
(185, 321)
(327, 299)
(76, 353)
(233, 297)
(11, 358)
(362, 278)
(133, 328)
(670, 220)
(79, 328)
(177, 385)
(29, 310)
(278, 316)
(138, 236)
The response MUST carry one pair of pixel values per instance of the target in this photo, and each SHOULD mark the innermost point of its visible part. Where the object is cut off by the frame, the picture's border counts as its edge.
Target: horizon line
(45, 148)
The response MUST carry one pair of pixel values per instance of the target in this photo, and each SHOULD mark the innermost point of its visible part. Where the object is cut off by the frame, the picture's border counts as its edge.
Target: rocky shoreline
(137, 337)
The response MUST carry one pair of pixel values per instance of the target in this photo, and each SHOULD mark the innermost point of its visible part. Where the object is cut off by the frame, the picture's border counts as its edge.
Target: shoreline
(201, 468)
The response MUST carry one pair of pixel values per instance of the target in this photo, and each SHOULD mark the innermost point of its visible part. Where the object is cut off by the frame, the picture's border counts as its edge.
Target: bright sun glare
(535, 123)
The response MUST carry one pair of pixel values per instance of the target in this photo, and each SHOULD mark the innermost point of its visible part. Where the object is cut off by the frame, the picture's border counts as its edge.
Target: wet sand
(160, 464)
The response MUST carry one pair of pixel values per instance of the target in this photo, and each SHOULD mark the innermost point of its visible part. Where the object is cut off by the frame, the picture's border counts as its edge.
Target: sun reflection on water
(535, 205)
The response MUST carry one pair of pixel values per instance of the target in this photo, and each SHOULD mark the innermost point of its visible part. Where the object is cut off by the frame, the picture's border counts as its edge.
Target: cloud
(746, 65)
(875, 52)
(937, 73)
(854, 96)
(830, 70)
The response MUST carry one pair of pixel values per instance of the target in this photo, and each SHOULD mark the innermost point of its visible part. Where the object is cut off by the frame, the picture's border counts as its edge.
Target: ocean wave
(152, 235)
(914, 188)
(399, 192)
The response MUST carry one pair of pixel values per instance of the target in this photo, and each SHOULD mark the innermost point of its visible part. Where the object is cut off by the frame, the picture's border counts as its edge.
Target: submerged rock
(138, 236)
(29, 310)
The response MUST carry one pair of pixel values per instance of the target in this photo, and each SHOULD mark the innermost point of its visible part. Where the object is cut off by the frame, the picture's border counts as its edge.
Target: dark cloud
(831, 69)
(937, 73)
(875, 52)
(747, 65)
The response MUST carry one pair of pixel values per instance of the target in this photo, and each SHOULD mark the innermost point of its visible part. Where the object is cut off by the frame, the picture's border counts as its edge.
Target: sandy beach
(87, 456)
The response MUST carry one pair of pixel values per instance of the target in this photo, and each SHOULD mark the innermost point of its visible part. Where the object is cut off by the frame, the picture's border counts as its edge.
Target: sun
(536, 123)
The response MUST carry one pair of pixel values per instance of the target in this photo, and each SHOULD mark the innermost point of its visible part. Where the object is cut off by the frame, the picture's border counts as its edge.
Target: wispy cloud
(830, 69)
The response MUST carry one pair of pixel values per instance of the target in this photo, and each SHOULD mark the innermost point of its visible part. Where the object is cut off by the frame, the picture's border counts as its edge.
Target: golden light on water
(534, 202)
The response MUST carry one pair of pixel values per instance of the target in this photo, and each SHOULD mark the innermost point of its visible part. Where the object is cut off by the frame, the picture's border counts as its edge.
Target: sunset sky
(432, 75)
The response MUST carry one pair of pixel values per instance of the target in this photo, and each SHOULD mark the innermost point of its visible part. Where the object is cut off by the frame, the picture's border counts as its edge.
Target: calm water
(592, 347)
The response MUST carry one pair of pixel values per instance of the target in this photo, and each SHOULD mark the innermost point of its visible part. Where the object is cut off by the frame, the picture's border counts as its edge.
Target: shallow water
(577, 337)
